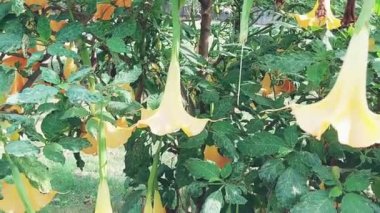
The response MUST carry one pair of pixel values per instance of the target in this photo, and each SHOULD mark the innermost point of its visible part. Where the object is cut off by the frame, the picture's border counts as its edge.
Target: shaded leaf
(203, 169)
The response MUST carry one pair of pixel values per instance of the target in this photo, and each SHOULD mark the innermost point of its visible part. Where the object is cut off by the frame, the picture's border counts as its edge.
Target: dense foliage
(79, 76)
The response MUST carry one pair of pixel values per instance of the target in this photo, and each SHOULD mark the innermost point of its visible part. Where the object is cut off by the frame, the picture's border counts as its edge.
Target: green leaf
(35, 57)
(195, 141)
(116, 44)
(58, 49)
(70, 32)
(78, 94)
(376, 186)
(75, 112)
(36, 172)
(291, 136)
(34, 95)
(203, 169)
(128, 76)
(357, 181)
(21, 148)
(234, 195)
(43, 28)
(226, 171)
(316, 202)
(5, 8)
(271, 169)
(5, 169)
(49, 75)
(336, 191)
(354, 203)
(10, 42)
(225, 144)
(316, 72)
(127, 28)
(74, 144)
(53, 127)
(54, 152)
(6, 80)
(214, 202)
(80, 74)
(261, 144)
(290, 186)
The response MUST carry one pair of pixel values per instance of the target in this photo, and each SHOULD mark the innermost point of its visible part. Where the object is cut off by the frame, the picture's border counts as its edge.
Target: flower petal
(103, 200)
(345, 107)
(171, 116)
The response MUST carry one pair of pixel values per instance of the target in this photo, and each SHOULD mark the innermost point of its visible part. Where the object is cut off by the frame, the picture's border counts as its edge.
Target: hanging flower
(123, 3)
(285, 86)
(13, 203)
(157, 206)
(103, 200)
(56, 26)
(115, 136)
(41, 3)
(345, 107)
(211, 153)
(320, 15)
(171, 116)
(104, 11)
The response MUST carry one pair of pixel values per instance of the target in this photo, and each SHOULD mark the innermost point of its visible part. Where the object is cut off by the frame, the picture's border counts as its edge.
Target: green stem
(152, 181)
(102, 149)
(176, 30)
(20, 186)
(365, 14)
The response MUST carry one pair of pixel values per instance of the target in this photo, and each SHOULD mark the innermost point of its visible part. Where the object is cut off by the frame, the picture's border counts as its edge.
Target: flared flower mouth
(319, 16)
(103, 200)
(171, 116)
(345, 107)
(115, 136)
(13, 203)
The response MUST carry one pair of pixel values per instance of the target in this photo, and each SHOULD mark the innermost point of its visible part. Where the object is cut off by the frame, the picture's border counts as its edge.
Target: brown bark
(205, 27)
(349, 14)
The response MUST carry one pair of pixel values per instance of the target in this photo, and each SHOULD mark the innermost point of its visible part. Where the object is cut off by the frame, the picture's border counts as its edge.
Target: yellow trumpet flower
(211, 153)
(13, 203)
(103, 200)
(115, 136)
(157, 206)
(345, 107)
(319, 16)
(171, 116)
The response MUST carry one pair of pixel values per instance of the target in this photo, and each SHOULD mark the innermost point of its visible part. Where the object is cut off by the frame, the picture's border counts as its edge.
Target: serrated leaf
(126, 77)
(77, 94)
(49, 75)
(316, 202)
(234, 195)
(290, 186)
(261, 144)
(357, 181)
(195, 141)
(213, 203)
(75, 112)
(74, 144)
(70, 32)
(354, 203)
(21, 148)
(34, 95)
(43, 28)
(116, 44)
(57, 49)
(271, 169)
(36, 172)
(10, 42)
(203, 169)
(127, 28)
(80, 74)
(291, 136)
(54, 152)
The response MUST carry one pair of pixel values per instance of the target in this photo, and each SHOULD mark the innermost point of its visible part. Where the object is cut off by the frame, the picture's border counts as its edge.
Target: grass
(77, 189)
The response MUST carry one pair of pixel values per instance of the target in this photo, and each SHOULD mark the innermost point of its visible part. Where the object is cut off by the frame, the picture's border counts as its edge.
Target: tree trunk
(205, 27)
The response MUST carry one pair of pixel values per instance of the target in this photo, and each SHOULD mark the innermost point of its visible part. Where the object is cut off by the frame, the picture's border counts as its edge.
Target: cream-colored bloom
(345, 107)
(115, 136)
(171, 116)
(311, 18)
(12, 201)
(103, 201)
